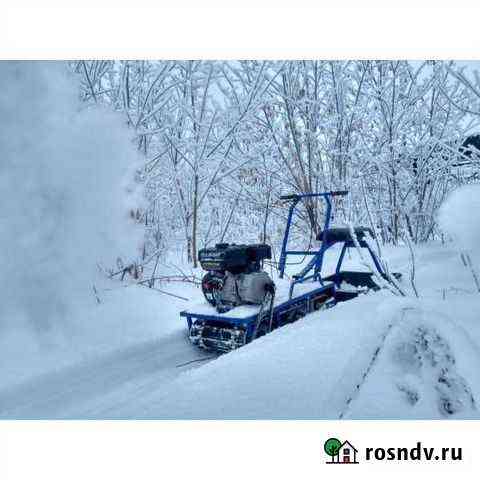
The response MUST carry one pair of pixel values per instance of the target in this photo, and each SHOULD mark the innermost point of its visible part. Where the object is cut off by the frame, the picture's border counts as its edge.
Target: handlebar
(298, 196)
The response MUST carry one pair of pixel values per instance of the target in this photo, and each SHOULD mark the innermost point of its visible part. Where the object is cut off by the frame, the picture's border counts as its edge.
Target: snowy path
(67, 392)
(142, 381)
(304, 370)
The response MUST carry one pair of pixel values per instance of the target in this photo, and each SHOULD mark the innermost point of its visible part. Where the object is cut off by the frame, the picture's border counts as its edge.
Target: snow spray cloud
(66, 177)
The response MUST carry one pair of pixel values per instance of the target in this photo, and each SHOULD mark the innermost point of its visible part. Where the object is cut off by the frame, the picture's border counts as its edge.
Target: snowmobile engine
(234, 275)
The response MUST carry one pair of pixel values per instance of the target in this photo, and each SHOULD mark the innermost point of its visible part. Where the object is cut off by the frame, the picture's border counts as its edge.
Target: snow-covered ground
(378, 356)
(76, 345)
(374, 357)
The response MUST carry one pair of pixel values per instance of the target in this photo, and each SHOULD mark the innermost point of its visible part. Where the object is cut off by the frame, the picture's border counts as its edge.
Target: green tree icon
(332, 446)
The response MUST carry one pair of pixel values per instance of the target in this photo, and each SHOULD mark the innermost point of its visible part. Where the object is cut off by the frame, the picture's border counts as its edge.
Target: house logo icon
(339, 452)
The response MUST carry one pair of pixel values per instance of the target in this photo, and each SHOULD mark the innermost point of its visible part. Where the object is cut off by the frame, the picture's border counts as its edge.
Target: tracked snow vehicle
(242, 301)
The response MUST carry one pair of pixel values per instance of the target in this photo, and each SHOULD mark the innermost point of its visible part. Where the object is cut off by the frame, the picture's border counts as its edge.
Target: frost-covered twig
(412, 269)
(182, 273)
(391, 279)
(95, 292)
(152, 277)
(379, 252)
(408, 241)
(370, 220)
(387, 282)
(172, 278)
(169, 293)
(203, 359)
(467, 261)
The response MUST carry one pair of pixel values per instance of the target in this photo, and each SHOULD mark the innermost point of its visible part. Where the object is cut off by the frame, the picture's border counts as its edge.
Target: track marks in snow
(426, 354)
(65, 393)
(363, 369)
(415, 366)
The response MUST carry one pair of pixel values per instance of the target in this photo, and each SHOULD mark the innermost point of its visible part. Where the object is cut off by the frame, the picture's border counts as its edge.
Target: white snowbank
(460, 217)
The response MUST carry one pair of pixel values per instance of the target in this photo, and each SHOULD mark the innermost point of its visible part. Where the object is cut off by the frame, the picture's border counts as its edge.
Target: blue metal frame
(318, 255)
(316, 263)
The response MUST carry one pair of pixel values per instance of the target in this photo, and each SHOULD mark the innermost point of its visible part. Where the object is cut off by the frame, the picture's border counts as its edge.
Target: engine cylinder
(234, 275)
